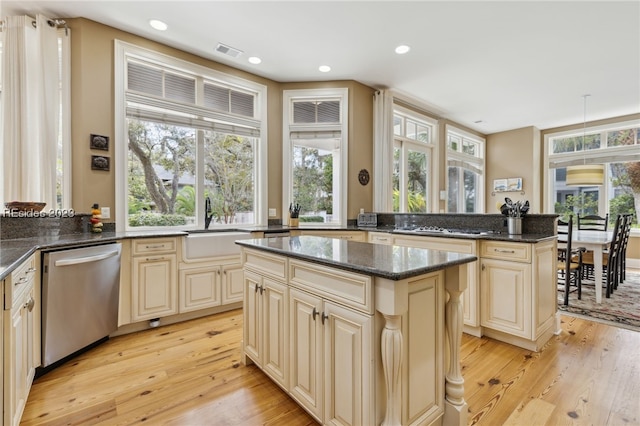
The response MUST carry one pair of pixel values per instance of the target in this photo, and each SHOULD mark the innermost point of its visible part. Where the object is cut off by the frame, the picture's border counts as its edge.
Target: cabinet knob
(315, 313)
(261, 289)
(324, 317)
(30, 304)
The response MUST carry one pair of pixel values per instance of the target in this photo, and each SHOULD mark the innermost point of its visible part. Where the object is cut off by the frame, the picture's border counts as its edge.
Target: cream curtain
(30, 111)
(383, 151)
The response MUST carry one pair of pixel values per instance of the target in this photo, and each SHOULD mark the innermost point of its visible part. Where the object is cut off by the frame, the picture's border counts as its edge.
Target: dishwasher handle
(76, 261)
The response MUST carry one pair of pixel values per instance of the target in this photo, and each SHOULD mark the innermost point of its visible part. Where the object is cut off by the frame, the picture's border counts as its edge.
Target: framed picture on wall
(514, 184)
(99, 142)
(499, 185)
(100, 162)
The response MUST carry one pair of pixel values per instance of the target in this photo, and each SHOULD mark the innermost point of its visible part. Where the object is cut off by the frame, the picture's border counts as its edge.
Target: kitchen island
(358, 333)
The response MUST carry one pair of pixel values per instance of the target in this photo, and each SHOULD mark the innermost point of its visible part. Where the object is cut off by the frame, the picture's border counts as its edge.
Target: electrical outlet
(272, 212)
(105, 212)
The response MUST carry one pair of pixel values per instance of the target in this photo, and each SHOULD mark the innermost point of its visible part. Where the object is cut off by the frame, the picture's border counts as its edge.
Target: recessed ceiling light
(254, 60)
(324, 68)
(402, 49)
(158, 25)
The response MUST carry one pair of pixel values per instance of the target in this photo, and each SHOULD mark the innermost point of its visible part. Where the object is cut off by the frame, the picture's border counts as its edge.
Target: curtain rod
(53, 23)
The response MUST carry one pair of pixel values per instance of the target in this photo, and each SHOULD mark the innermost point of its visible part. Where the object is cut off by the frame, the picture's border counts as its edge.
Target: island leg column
(392, 300)
(391, 348)
(455, 405)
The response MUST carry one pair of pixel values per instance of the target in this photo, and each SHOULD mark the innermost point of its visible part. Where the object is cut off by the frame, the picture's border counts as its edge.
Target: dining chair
(593, 222)
(610, 257)
(569, 265)
(622, 262)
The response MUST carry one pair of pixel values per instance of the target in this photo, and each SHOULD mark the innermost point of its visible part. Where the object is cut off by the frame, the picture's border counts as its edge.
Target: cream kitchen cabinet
(154, 278)
(21, 336)
(518, 297)
(265, 322)
(331, 352)
(471, 296)
(331, 343)
(208, 284)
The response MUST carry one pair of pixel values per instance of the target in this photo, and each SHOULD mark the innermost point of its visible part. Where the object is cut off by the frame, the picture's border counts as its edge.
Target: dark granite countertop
(15, 251)
(392, 262)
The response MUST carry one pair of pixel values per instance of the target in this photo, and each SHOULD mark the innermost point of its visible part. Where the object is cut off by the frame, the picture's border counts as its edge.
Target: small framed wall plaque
(100, 162)
(99, 142)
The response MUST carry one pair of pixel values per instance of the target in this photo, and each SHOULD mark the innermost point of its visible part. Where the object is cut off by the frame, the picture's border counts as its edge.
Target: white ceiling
(510, 64)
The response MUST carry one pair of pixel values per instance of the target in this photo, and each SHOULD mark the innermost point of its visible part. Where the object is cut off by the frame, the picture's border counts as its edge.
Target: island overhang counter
(357, 333)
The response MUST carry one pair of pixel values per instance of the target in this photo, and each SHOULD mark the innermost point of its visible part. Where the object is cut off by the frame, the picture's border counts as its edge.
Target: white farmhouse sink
(211, 244)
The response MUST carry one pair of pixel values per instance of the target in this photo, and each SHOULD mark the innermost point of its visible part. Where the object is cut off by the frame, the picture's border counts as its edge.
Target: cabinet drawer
(519, 252)
(437, 243)
(380, 238)
(22, 278)
(342, 287)
(342, 235)
(270, 264)
(154, 245)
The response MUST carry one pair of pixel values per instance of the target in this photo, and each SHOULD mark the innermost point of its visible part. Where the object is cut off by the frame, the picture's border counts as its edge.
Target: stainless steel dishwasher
(80, 292)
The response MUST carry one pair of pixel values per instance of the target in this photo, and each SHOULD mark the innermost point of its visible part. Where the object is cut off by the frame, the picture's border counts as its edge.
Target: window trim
(123, 50)
(478, 161)
(603, 156)
(288, 96)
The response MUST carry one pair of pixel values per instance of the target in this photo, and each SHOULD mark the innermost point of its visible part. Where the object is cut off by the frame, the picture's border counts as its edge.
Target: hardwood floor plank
(535, 412)
(190, 374)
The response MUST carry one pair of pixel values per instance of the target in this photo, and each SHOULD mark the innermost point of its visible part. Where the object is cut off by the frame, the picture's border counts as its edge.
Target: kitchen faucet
(207, 212)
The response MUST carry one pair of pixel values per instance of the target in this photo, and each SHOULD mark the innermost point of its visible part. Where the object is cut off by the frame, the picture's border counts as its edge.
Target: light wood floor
(190, 374)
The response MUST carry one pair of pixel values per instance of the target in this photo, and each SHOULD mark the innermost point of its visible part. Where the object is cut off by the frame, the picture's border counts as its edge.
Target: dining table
(596, 241)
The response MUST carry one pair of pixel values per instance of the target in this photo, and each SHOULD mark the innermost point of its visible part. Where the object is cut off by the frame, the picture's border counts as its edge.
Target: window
(413, 146)
(191, 145)
(315, 154)
(617, 147)
(465, 172)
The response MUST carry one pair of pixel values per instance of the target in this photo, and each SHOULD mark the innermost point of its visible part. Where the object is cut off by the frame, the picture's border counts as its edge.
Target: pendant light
(585, 174)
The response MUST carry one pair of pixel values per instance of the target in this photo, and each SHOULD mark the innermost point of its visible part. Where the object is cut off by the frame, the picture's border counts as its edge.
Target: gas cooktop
(440, 230)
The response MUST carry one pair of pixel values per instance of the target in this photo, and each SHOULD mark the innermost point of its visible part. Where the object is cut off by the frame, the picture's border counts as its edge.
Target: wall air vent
(228, 50)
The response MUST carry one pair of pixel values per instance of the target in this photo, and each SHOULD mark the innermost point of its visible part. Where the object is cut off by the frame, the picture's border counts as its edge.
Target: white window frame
(466, 161)
(124, 50)
(602, 155)
(288, 126)
(430, 148)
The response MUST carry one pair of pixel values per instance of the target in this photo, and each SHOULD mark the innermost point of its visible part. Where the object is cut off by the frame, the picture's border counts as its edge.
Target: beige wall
(92, 106)
(511, 154)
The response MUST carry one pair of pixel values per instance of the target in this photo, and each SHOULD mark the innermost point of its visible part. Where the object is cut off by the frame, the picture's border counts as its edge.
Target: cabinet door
(506, 296)
(232, 284)
(274, 331)
(19, 366)
(305, 341)
(154, 287)
(199, 288)
(348, 364)
(252, 314)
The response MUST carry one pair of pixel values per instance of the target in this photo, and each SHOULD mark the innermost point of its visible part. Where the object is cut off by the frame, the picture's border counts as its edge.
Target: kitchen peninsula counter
(387, 311)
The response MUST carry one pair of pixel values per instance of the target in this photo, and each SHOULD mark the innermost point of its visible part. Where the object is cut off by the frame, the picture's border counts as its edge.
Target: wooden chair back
(593, 222)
